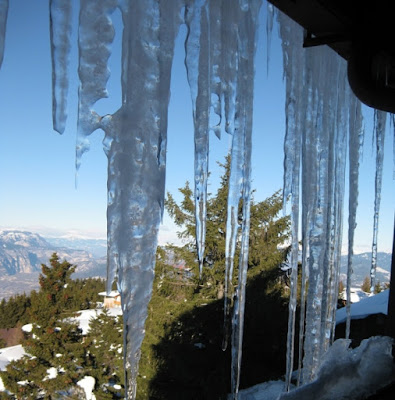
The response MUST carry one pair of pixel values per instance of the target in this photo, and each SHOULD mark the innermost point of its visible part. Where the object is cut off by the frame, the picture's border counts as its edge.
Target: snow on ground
(9, 354)
(84, 316)
(356, 295)
(377, 304)
(344, 374)
(88, 383)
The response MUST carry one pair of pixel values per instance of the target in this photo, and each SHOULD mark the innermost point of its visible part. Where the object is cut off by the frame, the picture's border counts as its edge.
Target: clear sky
(37, 164)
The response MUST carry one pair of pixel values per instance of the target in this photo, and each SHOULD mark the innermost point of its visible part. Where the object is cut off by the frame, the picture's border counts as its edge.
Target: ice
(3, 24)
(137, 135)
(292, 39)
(341, 370)
(320, 116)
(95, 36)
(60, 31)
(197, 61)
(241, 157)
(355, 148)
(380, 118)
(269, 28)
(135, 145)
(220, 50)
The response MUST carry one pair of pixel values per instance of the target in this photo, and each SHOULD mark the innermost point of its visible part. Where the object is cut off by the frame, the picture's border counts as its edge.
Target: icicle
(60, 31)
(135, 144)
(338, 157)
(355, 146)
(96, 33)
(292, 39)
(216, 64)
(269, 29)
(197, 61)
(319, 203)
(3, 25)
(243, 127)
(137, 159)
(380, 118)
(230, 60)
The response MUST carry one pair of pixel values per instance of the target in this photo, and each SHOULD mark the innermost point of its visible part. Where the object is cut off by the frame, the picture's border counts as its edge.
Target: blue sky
(37, 164)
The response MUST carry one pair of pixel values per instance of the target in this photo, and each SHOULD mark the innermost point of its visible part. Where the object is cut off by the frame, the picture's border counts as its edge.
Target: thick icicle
(355, 146)
(95, 36)
(135, 144)
(60, 32)
(292, 39)
(380, 118)
(197, 61)
(137, 158)
(3, 25)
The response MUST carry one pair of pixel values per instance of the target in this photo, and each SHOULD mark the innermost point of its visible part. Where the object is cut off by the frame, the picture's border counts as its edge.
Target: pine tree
(267, 233)
(55, 295)
(104, 344)
(56, 356)
(366, 285)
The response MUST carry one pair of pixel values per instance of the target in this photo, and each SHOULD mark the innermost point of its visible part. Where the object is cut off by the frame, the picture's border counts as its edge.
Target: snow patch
(9, 354)
(88, 384)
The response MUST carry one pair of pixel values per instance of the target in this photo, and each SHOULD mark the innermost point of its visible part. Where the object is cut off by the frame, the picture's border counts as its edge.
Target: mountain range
(22, 253)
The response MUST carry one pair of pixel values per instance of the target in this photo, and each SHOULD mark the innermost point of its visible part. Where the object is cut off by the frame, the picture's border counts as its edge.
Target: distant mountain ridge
(361, 267)
(24, 252)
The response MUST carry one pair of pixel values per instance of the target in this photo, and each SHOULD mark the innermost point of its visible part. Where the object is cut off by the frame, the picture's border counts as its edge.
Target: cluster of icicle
(322, 114)
(323, 120)
(220, 49)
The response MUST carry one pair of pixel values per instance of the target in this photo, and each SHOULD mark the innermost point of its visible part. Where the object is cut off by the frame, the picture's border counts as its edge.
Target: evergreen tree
(104, 344)
(56, 357)
(14, 311)
(366, 285)
(268, 231)
(55, 295)
(53, 363)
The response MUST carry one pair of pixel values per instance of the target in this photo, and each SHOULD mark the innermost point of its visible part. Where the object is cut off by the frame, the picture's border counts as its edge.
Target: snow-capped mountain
(361, 267)
(24, 252)
(97, 247)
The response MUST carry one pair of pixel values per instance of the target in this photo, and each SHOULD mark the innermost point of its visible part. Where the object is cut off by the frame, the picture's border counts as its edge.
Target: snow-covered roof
(377, 304)
(113, 293)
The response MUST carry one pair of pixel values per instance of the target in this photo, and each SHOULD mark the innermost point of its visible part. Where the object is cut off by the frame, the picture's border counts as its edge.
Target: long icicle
(380, 118)
(292, 59)
(243, 126)
(230, 88)
(197, 61)
(60, 33)
(137, 158)
(3, 25)
(355, 146)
